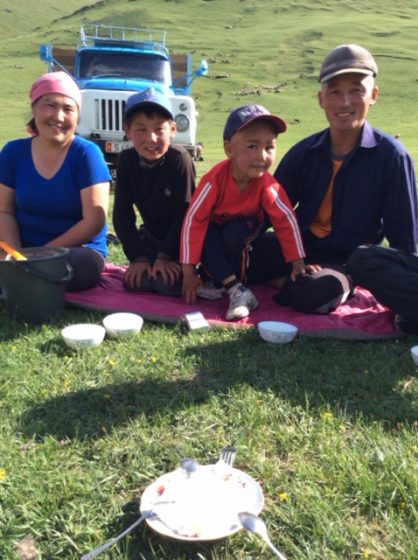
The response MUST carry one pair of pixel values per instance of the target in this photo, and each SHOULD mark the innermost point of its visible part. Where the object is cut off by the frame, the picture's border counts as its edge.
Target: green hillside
(21, 17)
(328, 427)
(258, 50)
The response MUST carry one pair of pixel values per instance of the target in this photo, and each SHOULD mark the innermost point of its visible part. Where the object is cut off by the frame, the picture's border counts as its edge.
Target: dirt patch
(26, 548)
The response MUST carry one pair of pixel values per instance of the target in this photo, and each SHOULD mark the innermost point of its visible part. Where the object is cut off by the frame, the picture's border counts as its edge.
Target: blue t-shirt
(47, 208)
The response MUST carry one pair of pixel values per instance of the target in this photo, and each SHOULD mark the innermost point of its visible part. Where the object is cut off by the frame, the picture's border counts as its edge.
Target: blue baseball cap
(247, 114)
(148, 98)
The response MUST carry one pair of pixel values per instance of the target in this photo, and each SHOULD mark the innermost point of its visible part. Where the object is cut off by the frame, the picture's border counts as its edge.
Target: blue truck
(109, 64)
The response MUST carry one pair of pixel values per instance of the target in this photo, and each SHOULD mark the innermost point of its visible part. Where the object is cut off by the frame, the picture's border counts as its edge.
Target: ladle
(12, 251)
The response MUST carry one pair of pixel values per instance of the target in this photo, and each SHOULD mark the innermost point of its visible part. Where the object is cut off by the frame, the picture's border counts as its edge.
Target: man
(350, 184)
(392, 277)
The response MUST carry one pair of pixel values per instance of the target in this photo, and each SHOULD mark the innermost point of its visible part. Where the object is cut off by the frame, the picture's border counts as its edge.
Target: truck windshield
(124, 65)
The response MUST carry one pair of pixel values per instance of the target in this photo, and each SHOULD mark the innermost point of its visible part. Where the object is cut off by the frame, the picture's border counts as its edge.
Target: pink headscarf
(55, 82)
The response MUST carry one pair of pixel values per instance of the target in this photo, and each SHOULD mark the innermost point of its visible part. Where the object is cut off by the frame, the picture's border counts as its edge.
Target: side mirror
(45, 53)
(203, 69)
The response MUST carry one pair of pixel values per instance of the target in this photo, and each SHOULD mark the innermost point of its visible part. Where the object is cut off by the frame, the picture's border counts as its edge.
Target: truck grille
(109, 115)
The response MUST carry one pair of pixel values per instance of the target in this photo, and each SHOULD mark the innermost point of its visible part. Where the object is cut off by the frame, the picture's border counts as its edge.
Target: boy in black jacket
(156, 179)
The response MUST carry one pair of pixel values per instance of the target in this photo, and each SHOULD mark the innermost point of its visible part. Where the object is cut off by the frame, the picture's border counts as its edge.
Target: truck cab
(110, 64)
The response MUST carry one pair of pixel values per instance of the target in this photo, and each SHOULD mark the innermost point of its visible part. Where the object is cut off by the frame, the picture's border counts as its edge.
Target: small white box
(195, 321)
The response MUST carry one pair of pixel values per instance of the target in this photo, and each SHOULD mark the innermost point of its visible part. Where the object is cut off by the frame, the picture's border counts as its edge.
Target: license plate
(116, 147)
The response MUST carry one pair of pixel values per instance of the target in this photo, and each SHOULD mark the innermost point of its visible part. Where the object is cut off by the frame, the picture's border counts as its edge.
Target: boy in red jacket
(225, 228)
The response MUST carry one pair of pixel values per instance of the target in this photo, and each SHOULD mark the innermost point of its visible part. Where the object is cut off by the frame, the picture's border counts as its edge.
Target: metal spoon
(189, 466)
(149, 514)
(256, 525)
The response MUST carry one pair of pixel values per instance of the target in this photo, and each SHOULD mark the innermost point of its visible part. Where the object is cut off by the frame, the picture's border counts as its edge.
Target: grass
(328, 428)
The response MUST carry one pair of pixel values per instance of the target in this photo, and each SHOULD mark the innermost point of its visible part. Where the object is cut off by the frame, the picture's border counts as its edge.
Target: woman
(54, 186)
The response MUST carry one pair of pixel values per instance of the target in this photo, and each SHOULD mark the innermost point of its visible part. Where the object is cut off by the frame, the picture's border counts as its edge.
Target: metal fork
(228, 455)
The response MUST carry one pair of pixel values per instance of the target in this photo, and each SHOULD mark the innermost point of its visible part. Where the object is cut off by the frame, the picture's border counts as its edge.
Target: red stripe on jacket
(218, 199)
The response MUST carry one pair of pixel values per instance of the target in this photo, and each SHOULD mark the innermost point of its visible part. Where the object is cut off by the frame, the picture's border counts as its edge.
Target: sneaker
(209, 291)
(241, 302)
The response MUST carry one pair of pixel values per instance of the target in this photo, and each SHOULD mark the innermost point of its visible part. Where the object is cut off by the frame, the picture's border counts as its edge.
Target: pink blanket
(360, 318)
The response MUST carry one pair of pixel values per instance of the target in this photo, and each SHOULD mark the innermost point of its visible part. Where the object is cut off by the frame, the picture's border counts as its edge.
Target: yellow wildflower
(153, 359)
(2, 474)
(327, 416)
(283, 496)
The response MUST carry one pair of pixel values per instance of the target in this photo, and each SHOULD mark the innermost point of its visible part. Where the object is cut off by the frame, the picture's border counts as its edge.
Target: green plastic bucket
(34, 290)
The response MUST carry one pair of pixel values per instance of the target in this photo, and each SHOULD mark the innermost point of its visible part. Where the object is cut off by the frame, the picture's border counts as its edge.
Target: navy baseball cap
(148, 98)
(346, 59)
(317, 292)
(247, 114)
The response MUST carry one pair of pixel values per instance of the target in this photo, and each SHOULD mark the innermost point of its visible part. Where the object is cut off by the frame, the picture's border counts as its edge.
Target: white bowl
(277, 332)
(83, 335)
(414, 354)
(119, 325)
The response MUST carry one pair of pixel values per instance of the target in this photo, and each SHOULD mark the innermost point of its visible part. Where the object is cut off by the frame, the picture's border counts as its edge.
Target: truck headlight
(182, 123)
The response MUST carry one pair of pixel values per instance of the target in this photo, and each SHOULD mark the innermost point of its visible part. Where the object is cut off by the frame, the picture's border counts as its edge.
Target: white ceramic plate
(204, 506)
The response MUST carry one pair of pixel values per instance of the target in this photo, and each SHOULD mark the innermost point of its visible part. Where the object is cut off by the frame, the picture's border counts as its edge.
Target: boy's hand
(190, 283)
(133, 276)
(169, 270)
(299, 267)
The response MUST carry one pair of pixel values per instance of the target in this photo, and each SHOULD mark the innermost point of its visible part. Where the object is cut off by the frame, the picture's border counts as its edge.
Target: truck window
(124, 65)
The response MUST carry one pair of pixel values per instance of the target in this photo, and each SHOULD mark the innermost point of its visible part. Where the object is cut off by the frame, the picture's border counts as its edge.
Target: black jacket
(160, 195)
